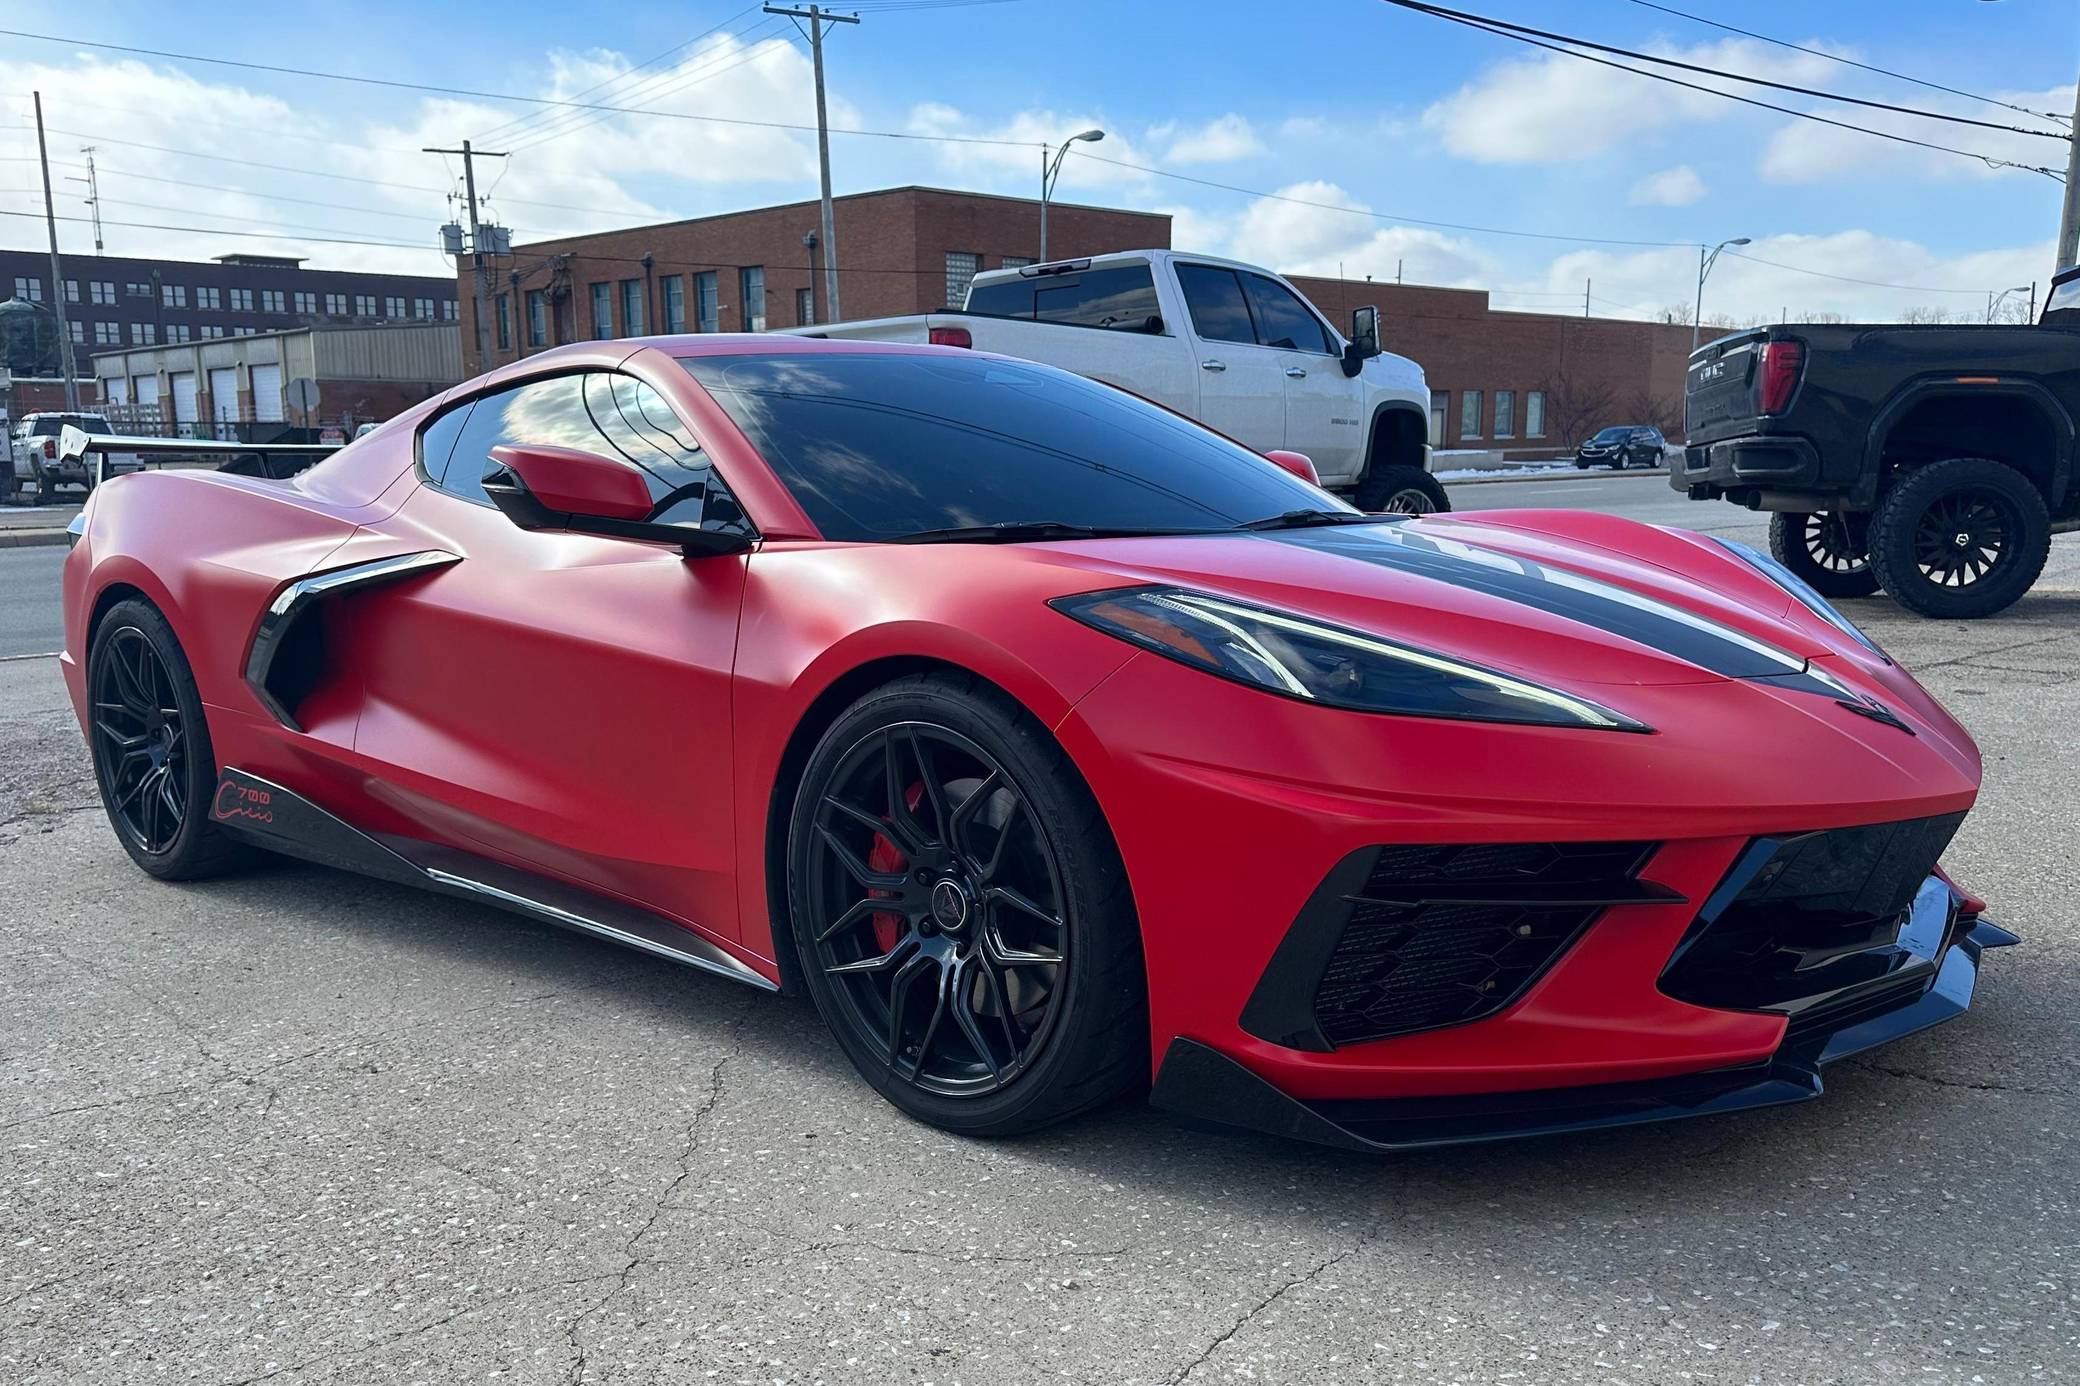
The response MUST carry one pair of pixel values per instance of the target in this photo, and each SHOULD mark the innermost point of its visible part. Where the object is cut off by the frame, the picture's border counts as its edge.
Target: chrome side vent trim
(285, 638)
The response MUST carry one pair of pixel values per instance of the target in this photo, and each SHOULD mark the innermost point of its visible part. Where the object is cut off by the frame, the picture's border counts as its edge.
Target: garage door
(147, 391)
(223, 399)
(267, 394)
(118, 387)
(184, 399)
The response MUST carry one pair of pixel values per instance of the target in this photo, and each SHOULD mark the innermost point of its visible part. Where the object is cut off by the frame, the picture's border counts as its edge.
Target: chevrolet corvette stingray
(1053, 745)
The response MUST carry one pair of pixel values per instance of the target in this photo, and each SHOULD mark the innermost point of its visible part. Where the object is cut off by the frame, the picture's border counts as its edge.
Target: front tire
(1960, 539)
(153, 761)
(1830, 549)
(1402, 490)
(961, 914)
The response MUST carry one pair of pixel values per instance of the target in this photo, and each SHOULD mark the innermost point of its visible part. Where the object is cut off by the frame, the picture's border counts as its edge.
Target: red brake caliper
(884, 856)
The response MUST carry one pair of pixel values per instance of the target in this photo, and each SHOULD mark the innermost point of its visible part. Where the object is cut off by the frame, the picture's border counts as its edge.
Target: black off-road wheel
(960, 912)
(1402, 490)
(1960, 539)
(1830, 549)
(152, 755)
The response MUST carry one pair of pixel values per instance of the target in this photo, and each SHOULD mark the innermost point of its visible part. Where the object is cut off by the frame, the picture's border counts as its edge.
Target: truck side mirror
(1364, 341)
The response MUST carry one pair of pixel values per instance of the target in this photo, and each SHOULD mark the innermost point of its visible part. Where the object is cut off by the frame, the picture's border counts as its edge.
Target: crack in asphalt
(1306, 1278)
(1914, 1075)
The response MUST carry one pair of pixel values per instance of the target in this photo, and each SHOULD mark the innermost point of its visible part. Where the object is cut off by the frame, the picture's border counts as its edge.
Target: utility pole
(93, 182)
(482, 270)
(817, 18)
(50, 221)
(2069, 220)
(1585, 296)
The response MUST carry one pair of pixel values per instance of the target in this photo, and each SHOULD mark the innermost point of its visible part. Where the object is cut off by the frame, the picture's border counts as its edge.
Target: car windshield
(1611, 435)
(883, 445)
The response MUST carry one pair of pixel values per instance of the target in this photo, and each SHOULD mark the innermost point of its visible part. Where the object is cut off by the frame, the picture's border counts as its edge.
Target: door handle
(1296, 373)
(1212, 365)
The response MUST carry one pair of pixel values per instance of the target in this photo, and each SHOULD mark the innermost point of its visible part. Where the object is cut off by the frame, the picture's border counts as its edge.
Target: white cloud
(1805, 151)
(1009, 160)
(1553, 108)
(1672, 187)
(1219, 141)
(1295, 238)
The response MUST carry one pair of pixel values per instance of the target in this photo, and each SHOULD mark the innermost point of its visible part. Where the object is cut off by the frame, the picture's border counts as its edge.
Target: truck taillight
(952, 336)
(1781, 364)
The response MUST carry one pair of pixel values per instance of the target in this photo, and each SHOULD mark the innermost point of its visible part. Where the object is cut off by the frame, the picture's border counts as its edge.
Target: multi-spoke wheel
(1830, 549)
(1960, 538)
(1401, 490)
(152, 755)
(959, 912)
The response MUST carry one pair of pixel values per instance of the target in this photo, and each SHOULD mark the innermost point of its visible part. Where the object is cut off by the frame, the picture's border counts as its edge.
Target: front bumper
(1199, 1082)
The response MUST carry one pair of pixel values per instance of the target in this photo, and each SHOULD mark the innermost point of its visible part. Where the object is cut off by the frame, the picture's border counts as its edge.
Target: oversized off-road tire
(1830, 549)
(1402, 490)
(153, 761)
(1960, 539)
(960, 912)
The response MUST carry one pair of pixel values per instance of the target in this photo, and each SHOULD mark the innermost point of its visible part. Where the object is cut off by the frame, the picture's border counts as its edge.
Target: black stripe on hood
(1603, 606)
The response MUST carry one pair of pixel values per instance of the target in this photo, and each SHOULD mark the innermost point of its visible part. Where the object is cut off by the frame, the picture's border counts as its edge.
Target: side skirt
(282, 820)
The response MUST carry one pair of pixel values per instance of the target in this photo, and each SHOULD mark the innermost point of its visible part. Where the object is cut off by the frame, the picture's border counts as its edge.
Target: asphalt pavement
(302, 1127)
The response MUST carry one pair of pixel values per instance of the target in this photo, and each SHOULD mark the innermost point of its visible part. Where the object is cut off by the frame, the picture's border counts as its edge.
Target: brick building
(115, 301)
(902, 250)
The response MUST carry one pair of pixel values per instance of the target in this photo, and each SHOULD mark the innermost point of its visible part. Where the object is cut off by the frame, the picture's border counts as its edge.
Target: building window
(631, 307)
(244, 329)
(108, 334)
(537, 318)
(137, 289)
(211, 331)
(423, 308)
(241, 300)
(505, 321)
(336, 305)
(1437, 417)
(1469, 413)
(448, 310)
(28, 288)
(1535, 414)
(271, 300)
(673, 288)
(603, 310)
(1505, 413)
(364, 305)
(72, 291)
(144, 334)
(1017, 261)
(78, 330)
(805, 307)
(960, 271)
(707, 303)
(103, 291)
(177, 332)
(207, 297)
(305, 301)
(393, 306)
(751, 282)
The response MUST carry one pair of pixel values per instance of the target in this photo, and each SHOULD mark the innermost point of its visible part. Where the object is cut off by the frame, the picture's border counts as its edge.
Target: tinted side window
(541, 411)
(1282, 319)
(1007, 298)
(437, 441)
(1214, 296)
(1123, 298)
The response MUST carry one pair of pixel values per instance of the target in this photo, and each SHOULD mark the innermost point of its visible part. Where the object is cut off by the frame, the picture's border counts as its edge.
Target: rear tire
(1960, 539)
(153, 760)
(1402, 490)
(1829, 549)
(1001, 988)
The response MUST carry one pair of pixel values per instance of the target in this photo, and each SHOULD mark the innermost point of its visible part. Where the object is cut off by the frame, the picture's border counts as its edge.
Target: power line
(217, 231)
(558, 124)
(1847, 279)
(1851, 62)
(1501, 31)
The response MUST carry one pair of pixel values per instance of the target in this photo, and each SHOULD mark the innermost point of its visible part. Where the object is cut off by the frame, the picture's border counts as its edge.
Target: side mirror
(538, 486)
(1364, 342)
(1298, 463)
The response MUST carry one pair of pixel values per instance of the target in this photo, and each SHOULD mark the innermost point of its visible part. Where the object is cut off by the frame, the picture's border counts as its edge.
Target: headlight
(1298, 657)
(1800, 589)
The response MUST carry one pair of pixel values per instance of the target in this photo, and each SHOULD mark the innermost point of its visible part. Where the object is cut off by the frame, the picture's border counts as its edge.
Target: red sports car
(1053, 744)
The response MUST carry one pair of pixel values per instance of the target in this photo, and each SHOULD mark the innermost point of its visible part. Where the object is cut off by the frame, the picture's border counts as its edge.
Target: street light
(1704, 267)
(1993, 305)
(1051, 171)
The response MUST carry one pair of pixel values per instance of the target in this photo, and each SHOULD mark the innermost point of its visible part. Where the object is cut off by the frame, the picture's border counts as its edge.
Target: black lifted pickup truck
(1935, 462)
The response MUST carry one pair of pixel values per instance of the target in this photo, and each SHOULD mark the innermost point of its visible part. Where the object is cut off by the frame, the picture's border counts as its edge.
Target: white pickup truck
(1231, 345)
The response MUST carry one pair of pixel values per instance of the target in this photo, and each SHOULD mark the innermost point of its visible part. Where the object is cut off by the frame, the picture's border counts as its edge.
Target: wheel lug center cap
(953, 906)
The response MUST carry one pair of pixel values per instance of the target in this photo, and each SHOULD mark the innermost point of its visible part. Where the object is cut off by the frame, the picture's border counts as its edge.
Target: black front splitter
(1199, 1082)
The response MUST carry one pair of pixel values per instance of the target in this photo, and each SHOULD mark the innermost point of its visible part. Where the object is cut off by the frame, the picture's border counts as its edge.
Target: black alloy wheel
(1829, 549)
(1401, 490)
(960, 919)
(1961, 538)
(151, 749)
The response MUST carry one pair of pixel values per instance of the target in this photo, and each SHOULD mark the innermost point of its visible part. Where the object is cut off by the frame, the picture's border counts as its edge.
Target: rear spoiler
(251, 459)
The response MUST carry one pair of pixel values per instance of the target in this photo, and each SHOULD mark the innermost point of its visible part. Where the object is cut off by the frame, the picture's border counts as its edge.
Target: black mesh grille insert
(1443, 934)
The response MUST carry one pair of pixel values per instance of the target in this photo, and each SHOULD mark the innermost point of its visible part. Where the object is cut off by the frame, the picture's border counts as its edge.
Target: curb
(30, 538)
(1661, 472)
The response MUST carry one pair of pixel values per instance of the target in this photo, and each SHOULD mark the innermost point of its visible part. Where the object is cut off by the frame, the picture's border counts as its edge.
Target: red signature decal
(238, 801)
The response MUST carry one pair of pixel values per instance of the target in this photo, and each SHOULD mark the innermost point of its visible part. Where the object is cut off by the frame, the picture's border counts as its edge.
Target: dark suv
(1933, 461)
(1621, 446)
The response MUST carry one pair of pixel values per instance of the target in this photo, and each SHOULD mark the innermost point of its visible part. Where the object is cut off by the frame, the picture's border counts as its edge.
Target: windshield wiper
(1306, 519)
(1027, 532)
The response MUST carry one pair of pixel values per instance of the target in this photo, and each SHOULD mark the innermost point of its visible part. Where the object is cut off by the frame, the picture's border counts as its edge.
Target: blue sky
(1350, 103)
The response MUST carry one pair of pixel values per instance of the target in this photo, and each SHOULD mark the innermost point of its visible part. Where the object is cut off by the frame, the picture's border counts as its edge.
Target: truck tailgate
(1719, 394)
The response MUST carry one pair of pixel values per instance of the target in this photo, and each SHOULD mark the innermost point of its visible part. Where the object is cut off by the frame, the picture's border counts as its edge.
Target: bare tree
(1655, 411)
(1576, 408)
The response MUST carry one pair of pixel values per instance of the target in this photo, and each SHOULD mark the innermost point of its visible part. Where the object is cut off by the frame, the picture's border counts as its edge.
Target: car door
(1242, 388)
(1321, 413)
(561, 702)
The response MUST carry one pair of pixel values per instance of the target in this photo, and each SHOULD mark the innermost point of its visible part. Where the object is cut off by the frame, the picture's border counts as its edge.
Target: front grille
(1812, 923)
(1443, 934)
